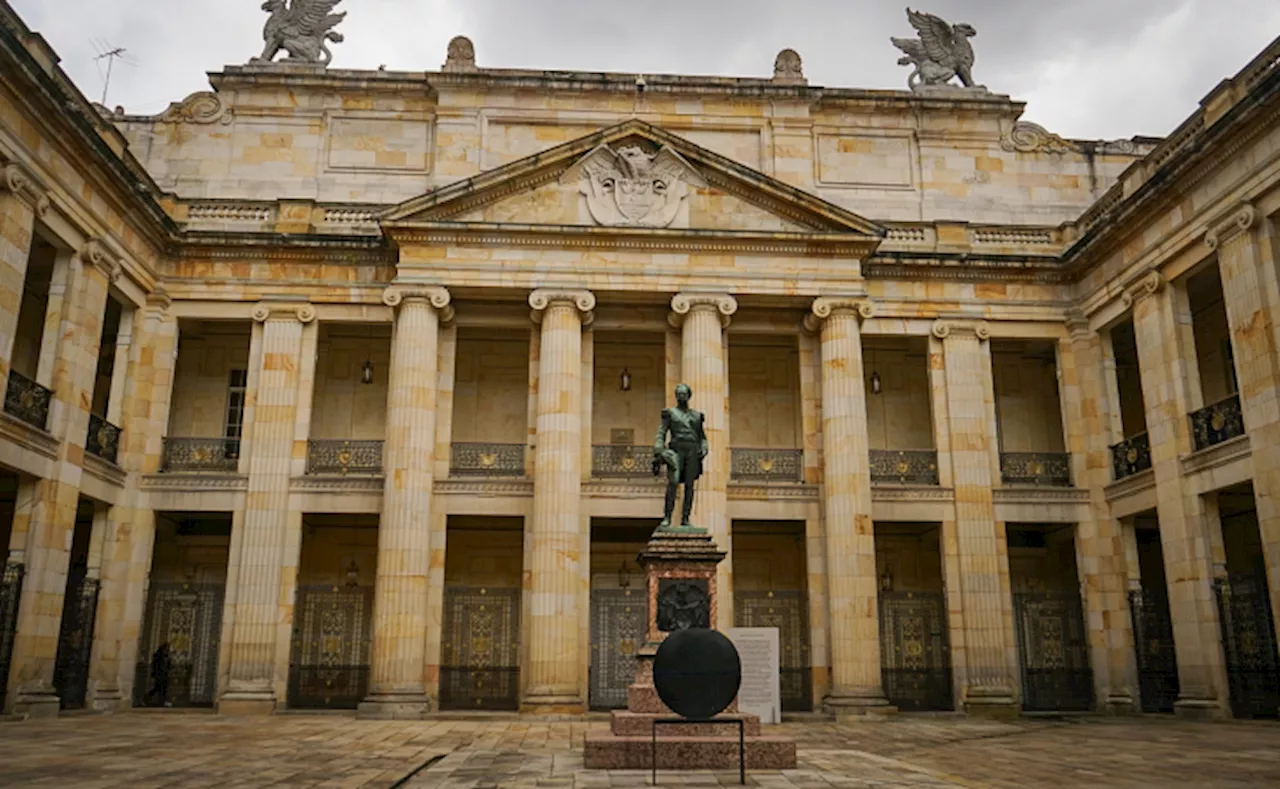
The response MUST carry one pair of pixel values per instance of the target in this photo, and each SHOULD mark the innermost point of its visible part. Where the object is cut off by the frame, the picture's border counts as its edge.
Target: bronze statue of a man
(682, 456)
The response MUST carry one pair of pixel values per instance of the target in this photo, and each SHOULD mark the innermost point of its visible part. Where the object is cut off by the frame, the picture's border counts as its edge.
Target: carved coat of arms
(630, 187)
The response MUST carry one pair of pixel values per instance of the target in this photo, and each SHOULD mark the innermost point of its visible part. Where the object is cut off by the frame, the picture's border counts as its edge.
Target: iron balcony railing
(344, 456)
(904, 466)
(1216, 423)
(1131, 456)
(622, 461)
(27, 400)
(103, 439)
(766, 465)
(1045, 469)
(201, 454)
(471, 459)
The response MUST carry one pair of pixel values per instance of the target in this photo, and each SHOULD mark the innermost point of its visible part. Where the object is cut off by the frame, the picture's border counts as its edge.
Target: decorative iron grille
(622, 461)
(480, 650)
(1153, 643)
(904, 466)
(915, 657)
(789, 612)
(1216, 423)
(103, 439)
(75, 642)
(1131, 456)
(1045, 469)
(27, 400)
(618, 623)
(10, 592)
(487, 460)
(1249, 643)
(201, 454)
(178, 653)
(329, 667)
(344, 456)
(767, 465)
(1053, 651)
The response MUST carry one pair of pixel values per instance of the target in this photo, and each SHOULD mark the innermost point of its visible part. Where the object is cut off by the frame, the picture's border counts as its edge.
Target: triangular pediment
(632, 176)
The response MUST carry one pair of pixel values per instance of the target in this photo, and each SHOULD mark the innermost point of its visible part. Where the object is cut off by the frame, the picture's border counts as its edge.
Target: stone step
(625, 723)
(607, 752)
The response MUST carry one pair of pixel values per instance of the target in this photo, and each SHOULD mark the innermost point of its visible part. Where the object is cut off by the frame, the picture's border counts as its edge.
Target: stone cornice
(1239, 221)
(944, 328)
(684, 303)
(1237, 448)
(95, 254)
(20, 182)
(284, 310)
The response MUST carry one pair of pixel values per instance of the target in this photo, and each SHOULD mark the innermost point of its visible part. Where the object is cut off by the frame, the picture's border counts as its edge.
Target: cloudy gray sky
(1086, 68)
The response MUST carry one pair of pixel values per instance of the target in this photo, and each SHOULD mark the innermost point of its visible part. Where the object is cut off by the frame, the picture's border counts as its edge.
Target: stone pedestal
(668, 560)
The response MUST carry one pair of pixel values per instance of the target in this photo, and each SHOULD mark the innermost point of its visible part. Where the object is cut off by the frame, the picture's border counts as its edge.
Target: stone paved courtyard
(148, 750)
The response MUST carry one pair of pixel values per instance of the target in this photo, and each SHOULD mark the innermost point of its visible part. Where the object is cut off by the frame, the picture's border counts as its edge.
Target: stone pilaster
(981, 559)
(1164, 369)
(22, 199)
(552, 681)
(846, 497)
(702, 319)
(252, 648)
(397, 684)
(54, 500)
(1099, 541)
(1249, 287)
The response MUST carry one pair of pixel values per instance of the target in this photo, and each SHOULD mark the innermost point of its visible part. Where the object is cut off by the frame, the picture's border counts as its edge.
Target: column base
(858, 705)
(553, 705)
(395, 706)
(1120, 704)
(1199, 709)
(991, 702)
(37, 704)
(247, 702)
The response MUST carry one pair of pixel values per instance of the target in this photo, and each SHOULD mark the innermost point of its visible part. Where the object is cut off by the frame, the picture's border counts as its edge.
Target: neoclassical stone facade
(334, 388)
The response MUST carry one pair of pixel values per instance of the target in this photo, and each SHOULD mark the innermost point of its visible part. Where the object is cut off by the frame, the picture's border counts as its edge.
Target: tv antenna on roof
(111, 54)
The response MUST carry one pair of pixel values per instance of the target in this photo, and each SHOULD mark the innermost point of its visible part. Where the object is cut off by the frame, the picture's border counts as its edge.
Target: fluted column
(702, 319)
(846, 497)
(1247, 263)
(397, 682)
(22, 199)
(1164, 366)
(552, 680)
(251, 652)
(54, 500)
(983, 567)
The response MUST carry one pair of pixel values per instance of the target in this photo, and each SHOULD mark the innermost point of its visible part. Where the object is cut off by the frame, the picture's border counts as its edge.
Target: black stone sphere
(697, 673)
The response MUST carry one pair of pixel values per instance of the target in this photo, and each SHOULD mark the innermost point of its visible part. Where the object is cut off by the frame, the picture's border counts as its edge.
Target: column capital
(284, 310)
(942, 329)
(22, 183)
(95, 253)
(684, 303)
(1077, 325)
(434, 295)
(159, 300)
(826, 306)
(584, 301)
(1146, 284)
(1240, 220)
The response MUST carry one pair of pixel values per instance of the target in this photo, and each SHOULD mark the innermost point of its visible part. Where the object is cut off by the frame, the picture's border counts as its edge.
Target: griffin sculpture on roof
(301, 29)
(941, 52)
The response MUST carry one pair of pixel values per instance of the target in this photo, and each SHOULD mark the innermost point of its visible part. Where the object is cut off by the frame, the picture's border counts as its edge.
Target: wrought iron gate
(1249, 643)
(789, 612)
(75, 642)
(1053, 651)
(329, 660)
(10, 593)
(178, 655)
(1153, 645)
(617, 631)
(915, 654)
(480, 656)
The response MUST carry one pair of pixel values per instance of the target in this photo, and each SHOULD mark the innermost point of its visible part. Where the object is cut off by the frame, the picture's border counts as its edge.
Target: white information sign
(761, 691)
